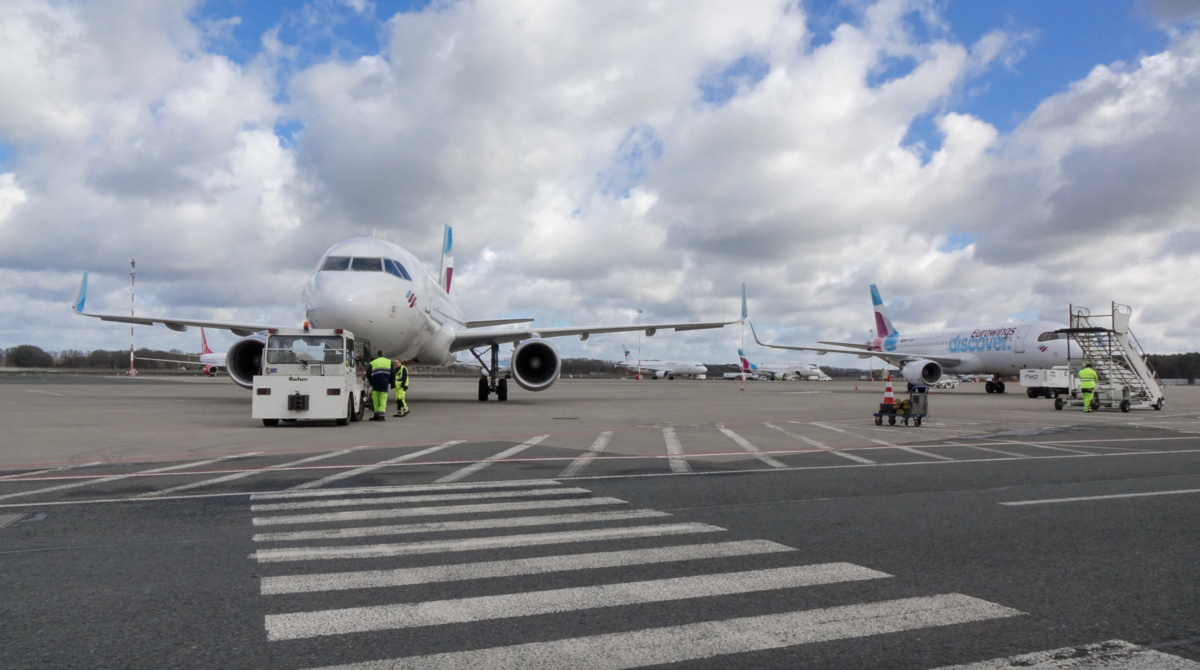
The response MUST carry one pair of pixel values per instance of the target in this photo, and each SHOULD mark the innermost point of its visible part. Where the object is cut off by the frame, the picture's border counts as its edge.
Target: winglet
(447, 273)
(81, 297)
(744, 314)
(755, 334)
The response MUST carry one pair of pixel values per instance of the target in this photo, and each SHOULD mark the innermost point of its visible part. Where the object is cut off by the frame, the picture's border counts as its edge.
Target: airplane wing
(852, 345)
(179, 325)
(475, 338)
(895, 358)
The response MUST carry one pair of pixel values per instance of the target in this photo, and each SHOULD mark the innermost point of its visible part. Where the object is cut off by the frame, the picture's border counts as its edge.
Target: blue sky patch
(719, 87)
(958, 241)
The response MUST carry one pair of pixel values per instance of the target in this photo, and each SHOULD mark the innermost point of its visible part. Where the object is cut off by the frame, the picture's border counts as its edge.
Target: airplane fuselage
(400, 308)
(1000, 349)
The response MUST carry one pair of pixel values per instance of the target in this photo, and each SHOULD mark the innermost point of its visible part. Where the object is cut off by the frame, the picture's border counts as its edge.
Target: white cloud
(587, 175)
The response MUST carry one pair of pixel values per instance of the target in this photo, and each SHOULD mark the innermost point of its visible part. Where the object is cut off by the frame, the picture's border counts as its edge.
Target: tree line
(30, 356)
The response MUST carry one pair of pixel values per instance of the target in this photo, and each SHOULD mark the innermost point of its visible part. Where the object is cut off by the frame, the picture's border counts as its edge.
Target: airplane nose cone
(353, 300)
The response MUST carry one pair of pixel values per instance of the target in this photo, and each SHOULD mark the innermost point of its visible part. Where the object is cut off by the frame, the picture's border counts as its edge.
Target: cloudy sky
(980, 162)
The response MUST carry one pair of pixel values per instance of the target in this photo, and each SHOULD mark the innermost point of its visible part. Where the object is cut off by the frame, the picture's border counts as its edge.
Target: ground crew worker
(380, 378)
(401, 384)
(1087, 385)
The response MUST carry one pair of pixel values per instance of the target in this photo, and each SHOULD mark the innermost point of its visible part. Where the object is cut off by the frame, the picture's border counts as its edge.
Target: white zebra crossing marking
(477, 543)
(675, 451)
(476, 467)
(409, 615)
(447, 526)
(60, 468)
(586, 457)
(674, 644)
(317, 483)
(370, 579)
(911, 450)
(361, 515)
(404, 488)
(438, 497)
(748, 446)
(1111, 654)
(824, 447)
(143, 473)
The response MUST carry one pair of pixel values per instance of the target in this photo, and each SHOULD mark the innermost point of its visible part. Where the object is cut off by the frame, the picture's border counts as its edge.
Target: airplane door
(1018, 343)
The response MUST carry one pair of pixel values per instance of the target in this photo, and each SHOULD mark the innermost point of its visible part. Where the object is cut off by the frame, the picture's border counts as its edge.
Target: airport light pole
(132, 371)
(639, 363)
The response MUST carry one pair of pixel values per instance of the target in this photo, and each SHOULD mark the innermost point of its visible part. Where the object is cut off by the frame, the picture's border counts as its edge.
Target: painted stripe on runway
(994, 451)
(317, 483)
(675, 644)
(1105, 497)
(1110, 654)
(371, 579)
(586, 457)
(361, 515)
(447, 526)
(824, 447)
(49, 470)
(476, 467)
(1046, 446)
(113, 478)
(404, 500)
(405, 488)
(884, 443)
(411, 615)
(675, 451)
(748, 446)
(478, 543)
(247, 473)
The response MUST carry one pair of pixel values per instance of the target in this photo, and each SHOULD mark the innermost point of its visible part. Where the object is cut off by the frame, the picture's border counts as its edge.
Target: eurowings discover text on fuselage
(383, 294)
(922, 357)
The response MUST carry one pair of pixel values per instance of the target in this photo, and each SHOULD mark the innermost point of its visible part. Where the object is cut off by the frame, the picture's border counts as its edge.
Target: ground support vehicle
(1111, 349)
(1046, 383)
(916, 407)
(310, 374)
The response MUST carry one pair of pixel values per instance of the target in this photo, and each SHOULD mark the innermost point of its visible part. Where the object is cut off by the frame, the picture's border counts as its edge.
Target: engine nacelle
(921, 373)
(243, 361)
(210, 370)
(535, 365)
(660, 374)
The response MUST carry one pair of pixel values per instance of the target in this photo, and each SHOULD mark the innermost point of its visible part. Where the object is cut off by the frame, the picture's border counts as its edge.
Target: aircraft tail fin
(626, 350)
(81, 296)
(883, 325)
(204, 343)
(447, 274)
(746, 365)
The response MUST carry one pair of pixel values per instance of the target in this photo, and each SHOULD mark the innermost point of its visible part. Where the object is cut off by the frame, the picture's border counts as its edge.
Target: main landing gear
(994, 386)
(488, 383)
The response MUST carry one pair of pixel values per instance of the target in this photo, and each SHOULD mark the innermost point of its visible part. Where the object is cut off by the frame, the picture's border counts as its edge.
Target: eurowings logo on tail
(447, 274)
(747, 366)
(883, 325)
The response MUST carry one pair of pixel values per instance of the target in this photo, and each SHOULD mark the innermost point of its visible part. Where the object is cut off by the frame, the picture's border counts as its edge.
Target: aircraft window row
(344, 263)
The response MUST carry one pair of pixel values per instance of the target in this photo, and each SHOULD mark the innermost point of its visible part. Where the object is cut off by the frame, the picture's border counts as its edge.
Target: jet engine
(535, 365)
(243, 361)
(661, 374)
(921, 373)
(210, 370)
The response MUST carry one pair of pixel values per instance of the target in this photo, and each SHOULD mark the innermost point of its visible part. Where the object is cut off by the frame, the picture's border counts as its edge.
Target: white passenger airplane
(660, 369)
(795, 371)
(212, 362)
(992, 350)
(384, 295)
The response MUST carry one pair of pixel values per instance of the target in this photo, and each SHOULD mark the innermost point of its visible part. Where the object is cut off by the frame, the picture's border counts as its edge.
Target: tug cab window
(397, 269)
(367, 265)
(336, 264)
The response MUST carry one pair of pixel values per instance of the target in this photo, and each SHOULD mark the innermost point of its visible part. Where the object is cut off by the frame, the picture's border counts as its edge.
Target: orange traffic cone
(888, 398)
(856, 386)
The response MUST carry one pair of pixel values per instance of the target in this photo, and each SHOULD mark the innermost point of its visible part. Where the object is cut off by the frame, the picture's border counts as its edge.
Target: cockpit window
(1046, 337)
(396, 269)
(367, 265)
(336, 263)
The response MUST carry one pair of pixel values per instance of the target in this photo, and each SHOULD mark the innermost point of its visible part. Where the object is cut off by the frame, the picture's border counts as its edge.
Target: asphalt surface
(687, 523)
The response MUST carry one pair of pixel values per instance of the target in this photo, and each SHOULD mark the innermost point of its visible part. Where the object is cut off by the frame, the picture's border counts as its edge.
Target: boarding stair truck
(1110, 347)
(1046, 382)
(310, 374)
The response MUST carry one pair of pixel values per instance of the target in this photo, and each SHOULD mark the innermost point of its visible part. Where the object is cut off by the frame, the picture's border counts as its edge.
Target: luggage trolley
(915, 408)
